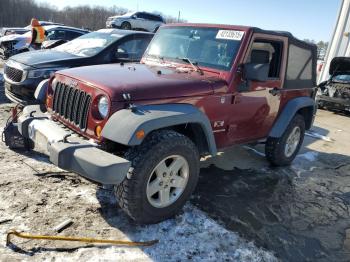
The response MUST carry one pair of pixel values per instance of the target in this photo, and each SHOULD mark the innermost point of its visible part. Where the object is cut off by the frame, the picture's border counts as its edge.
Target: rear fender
(304, 105)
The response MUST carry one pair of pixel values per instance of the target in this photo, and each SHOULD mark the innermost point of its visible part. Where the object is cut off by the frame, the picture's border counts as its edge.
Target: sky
(306, 19)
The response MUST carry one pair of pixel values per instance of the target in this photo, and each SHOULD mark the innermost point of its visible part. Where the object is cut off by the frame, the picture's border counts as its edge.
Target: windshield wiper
(159, 58)
(192, 63)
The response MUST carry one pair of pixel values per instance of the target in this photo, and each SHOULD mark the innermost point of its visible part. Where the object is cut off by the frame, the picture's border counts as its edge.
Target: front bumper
(113, 24)
(68, 151)
(22, 92)
(333, 103)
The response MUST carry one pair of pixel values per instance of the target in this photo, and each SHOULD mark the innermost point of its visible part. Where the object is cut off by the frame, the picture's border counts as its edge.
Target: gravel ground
(253, 213)
(35, 196)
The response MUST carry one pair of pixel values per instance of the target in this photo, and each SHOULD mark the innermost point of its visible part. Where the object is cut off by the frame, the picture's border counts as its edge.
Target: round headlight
(54, 84)
(103, 106)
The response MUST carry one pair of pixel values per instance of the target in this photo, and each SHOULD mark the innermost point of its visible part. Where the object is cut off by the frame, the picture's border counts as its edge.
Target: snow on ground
(190, 236)
(35, 196)
(310, 156)
(318, 136)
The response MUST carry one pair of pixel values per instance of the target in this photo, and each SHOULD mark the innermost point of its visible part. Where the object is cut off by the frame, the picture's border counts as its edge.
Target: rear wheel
(282, 151)
(165, 173)
(126, 26)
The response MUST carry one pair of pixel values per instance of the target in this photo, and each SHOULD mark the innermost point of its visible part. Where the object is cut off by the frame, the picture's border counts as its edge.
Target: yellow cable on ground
(79, 239)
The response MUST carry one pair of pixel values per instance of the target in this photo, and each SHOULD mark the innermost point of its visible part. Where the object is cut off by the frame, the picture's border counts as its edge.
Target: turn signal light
(140, 134)
(98, 131)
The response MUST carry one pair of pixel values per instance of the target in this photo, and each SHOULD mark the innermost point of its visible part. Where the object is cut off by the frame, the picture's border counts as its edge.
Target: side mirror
(133, 17)
(256, 72)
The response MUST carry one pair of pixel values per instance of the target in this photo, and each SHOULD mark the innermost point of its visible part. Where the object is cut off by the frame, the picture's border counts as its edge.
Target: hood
(45, 58)
(144, 82)
(339, 65)
(7, 38)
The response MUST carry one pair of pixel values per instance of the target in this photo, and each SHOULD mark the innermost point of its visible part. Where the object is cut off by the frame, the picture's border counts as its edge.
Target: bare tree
(18, 13)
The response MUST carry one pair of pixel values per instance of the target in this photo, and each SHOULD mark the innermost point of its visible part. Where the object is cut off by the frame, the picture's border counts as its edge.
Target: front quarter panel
(123, 125)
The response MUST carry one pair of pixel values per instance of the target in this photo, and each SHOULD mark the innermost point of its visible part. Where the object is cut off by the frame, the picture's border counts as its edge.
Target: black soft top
(291, 37)
(301, 61)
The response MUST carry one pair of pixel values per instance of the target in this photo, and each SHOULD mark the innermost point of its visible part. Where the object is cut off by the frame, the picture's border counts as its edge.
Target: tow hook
(11, 136)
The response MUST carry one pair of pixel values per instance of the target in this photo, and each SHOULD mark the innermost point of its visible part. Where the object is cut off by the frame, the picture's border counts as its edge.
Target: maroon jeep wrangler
(199, 88)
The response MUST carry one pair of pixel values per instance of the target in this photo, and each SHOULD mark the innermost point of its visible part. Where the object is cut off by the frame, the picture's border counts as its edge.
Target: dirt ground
(242, 210)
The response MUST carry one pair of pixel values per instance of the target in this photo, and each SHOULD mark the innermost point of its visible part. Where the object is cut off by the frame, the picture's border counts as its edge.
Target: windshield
(342, 78)
(89, 44)
(209, 47)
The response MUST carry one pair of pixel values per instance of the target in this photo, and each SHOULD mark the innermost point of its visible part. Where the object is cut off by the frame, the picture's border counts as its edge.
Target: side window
(56, 35)
(269, 52)
(70, 35)
(299, 70)
(153, 18)
(132, 49)
(150, 17)
(141, 15)
(299, 63)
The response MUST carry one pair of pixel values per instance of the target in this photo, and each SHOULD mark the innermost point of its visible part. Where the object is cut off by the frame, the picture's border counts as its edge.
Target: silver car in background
(136, 21)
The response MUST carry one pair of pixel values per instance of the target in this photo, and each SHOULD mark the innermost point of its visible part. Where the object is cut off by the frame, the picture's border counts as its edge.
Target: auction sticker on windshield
(230, 35)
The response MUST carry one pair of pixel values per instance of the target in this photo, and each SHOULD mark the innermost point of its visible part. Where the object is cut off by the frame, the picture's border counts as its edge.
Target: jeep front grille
(72, 104)
(13, 74)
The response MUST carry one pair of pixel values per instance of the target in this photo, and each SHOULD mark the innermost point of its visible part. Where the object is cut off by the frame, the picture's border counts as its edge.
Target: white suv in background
(136, 20)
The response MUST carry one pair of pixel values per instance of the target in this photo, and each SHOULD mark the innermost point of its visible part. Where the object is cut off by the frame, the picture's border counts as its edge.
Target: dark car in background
(25, 71)
(334, 94)
(14, 44)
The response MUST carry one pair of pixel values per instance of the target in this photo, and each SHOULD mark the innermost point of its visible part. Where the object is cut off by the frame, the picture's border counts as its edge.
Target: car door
(256, 104)
(147, 22)
(139, 21)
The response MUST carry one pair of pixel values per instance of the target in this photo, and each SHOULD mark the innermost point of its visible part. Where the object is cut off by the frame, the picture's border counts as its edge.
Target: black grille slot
(72, 104)
(13, 74)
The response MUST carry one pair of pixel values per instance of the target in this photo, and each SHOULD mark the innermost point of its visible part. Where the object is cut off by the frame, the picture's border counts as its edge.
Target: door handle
(274, 91)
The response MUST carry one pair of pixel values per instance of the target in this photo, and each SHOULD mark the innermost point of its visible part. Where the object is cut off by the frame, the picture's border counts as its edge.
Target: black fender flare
(122, 126)
(289, 111)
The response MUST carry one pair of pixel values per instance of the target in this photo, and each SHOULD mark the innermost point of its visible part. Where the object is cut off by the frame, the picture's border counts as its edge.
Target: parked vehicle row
(25, 71)
(15, 43)
(22, 30)
(12, 31)
(143, 127)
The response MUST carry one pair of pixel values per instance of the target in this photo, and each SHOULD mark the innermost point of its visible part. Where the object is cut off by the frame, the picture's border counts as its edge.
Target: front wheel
(126, 26)
(282, 151)
(165, 173)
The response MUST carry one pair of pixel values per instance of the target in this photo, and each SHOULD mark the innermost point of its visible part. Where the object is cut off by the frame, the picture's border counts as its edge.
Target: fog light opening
(140, 134)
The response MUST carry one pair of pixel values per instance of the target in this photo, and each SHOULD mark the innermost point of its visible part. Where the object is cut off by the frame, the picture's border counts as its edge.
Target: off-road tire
(131, 193)
(126, 26)
(274, 148)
